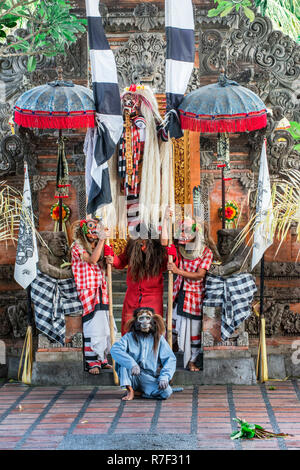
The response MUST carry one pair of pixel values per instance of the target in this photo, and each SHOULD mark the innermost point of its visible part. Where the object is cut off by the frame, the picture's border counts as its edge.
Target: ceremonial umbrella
(57, 105)
(222, 108)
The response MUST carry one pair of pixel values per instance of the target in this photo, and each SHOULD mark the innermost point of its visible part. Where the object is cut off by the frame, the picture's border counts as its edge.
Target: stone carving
(146, 16)
(280, 270)
(50, 261)
(207, 182)
(45, 343)
(280, 320)
(17, 315)
(207, 339)
(142, 59)
(5, 325)
(232, 263)
(11, 154)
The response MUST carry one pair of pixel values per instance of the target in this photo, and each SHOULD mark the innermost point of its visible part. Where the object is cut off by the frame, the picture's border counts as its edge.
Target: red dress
(147, 292)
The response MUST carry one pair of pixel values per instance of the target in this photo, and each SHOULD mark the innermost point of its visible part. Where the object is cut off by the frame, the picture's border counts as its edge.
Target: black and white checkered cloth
(235, 295)
(53, 299)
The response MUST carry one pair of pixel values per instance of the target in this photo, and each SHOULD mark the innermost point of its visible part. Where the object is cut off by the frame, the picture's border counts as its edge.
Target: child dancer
(194, 258)
(92, 291)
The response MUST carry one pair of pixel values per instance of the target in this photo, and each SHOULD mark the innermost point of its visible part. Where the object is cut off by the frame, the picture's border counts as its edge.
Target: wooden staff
(170, 274)
(111, 315)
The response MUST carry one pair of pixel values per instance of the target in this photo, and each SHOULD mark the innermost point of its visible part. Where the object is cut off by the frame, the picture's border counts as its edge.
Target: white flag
(27, 254)
(263, 236)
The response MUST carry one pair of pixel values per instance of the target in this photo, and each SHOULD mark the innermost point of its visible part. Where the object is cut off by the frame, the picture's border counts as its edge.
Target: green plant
(294, 130)
(285, 15)
(49, 24)
(226, 6)
(250, 431)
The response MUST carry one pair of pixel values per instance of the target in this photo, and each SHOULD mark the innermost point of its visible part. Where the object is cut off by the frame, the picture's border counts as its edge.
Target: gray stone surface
(130, 442)
(292, 365)
(276, 366)
(219, 371)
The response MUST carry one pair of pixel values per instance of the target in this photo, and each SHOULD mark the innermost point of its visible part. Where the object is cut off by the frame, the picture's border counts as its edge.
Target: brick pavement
(200, 417)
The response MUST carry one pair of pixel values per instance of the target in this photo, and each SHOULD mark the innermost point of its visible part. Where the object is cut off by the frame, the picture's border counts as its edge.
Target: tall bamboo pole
(262, 360)
(111, 315)
(170, 274)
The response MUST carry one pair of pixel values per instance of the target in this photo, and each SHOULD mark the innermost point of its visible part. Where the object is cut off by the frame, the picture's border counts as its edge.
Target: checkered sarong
(53, 299)
(193, 289)
(234, 294)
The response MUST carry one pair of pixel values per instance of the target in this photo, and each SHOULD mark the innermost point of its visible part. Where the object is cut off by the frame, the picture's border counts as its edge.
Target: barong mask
(190, 238)
(92, 229)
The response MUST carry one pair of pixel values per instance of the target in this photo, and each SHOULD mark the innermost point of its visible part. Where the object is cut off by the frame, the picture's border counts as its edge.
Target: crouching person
(145, 363)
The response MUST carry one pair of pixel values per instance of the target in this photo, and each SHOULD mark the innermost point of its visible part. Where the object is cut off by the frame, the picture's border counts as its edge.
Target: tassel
(232, 124)
(55, 122)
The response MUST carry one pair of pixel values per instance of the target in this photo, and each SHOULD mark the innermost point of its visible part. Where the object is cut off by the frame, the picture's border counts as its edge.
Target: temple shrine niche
(256, 56)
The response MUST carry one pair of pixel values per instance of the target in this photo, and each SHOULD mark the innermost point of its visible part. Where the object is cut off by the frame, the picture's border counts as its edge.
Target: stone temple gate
(252, 53)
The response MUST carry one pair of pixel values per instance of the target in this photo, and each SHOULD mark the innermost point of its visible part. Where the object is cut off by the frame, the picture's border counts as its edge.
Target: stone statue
(54, 293)
(225, 283)
(50, 262)
(232, 263)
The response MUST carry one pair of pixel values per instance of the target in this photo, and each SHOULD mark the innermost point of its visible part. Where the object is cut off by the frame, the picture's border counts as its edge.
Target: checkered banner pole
(180, 53)
(180, 36)
(101, 142)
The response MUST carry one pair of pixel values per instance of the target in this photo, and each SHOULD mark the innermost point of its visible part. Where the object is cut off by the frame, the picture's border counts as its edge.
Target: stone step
(72, 373)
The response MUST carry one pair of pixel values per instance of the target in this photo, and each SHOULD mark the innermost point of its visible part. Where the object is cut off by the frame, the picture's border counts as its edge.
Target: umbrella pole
(223, 199)
(170, 273)
(262, 362)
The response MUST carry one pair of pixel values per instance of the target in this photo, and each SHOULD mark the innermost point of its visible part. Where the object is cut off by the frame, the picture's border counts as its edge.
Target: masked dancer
(194, 257)
(92, 290)
(139, 355)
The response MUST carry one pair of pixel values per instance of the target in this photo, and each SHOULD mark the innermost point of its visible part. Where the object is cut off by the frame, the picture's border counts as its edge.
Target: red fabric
(108, 251)
(89, 279)
(145, 293)
(194, 289)
(171, 250)
(235, 123)
(40, 120)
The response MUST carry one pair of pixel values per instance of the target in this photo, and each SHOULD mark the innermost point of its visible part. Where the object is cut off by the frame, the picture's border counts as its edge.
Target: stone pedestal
(225, 362)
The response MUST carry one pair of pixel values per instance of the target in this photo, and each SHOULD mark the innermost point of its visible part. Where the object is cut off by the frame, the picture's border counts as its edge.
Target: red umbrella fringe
(230, 124)
(55, 122)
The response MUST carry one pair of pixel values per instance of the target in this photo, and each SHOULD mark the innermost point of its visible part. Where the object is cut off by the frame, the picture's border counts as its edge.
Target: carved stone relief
(142, 59)
(280, 320)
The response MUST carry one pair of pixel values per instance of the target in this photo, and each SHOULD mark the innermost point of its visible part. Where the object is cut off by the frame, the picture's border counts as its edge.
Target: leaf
(249, 13)
(31, 64)
(226, 11)
(236, 435)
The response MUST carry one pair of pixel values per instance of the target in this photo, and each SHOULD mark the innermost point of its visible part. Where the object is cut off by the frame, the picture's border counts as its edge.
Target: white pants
(188, 334)
(96, 334)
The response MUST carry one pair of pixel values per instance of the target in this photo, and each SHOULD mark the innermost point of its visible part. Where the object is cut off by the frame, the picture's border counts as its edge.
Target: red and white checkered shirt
(89, 279)
(194, 289)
